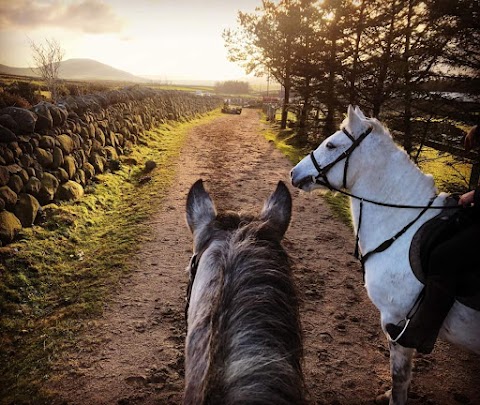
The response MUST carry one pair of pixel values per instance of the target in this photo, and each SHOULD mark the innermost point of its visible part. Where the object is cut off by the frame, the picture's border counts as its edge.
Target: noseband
(321, 178)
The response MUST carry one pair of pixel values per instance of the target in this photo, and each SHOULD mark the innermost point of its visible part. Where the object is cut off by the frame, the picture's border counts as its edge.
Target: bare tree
(47, 58)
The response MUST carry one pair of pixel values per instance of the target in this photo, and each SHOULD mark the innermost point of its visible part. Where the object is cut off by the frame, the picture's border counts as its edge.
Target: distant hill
(79, 69)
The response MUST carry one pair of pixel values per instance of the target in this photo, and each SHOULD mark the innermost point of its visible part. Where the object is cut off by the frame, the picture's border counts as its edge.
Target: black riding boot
(422, 331)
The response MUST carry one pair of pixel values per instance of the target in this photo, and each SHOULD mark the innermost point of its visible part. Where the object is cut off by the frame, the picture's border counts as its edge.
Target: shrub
(8, 99)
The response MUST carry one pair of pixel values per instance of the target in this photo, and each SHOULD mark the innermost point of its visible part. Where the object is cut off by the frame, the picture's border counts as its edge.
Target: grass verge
(58, 276)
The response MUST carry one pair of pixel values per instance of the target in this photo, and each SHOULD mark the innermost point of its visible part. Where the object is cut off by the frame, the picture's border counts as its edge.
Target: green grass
(179, 87)
(448, 173)
(58, 276)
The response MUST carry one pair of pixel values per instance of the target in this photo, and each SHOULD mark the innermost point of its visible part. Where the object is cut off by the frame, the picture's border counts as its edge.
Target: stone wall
(50, 152)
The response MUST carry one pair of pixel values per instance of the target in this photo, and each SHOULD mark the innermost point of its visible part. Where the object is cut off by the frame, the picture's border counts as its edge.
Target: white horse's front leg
(401, 373)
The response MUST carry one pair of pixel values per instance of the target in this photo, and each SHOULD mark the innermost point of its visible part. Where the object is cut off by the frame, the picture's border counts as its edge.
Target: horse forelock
(255, 343)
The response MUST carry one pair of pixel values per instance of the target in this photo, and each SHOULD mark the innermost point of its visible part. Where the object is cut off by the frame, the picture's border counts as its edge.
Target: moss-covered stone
(47, 142)
(9, 197)
(70, 191)
(26, 209)
(49, 188)
(15, 183)
(89, 170)
(70, 166)
(33, 186)
(44, 157)
(65, 143)
(10, 226)
(4, 176)
(57, 157)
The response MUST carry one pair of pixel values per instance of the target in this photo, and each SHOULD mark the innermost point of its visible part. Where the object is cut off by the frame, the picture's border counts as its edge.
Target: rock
(9, 197)
(48, 189)
(44, 157)
(70, 191)
(150, 165)
(89, 170)
(111, 153)
(4, 176)
(6, 135)
(33, 186)
(26, 160)
(8, 122)
(44, 118)
(70, 166)
(47, 142)
(26, 209)
(14, 169)
(15, 183)
(59, 115)
(80, 177)
(98, 162)
(24, 176)
(25, 119)
(61, 175)
(65, 143)
(57, 157)
(100, 136)
(10, 226)
(16, 150)
(6, 154)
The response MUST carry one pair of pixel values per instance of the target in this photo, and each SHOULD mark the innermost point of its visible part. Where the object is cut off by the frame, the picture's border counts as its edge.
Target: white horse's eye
(330, 145)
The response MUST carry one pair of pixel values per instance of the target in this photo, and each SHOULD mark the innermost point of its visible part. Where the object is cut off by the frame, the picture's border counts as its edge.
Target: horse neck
(246, 358)
(403, 183)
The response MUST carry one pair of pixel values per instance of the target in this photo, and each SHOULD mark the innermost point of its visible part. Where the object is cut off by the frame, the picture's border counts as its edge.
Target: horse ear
(354, 120)
(277, 210)
(200, 208)
(360, 112)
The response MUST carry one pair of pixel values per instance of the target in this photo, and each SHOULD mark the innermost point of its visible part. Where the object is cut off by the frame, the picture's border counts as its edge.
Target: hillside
(80, 69)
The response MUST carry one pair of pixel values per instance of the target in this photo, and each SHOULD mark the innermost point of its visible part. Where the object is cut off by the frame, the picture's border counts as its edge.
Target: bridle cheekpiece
(321, 178)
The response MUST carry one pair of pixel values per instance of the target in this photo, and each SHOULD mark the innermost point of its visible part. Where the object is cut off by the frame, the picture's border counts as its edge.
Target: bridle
(322, 171)
(322, 180)
(193, 267)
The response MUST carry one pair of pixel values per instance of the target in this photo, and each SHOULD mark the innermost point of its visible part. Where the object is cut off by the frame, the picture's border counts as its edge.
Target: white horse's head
(331, 164)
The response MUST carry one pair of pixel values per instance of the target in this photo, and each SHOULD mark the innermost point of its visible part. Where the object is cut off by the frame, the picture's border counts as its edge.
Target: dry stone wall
(50, 152)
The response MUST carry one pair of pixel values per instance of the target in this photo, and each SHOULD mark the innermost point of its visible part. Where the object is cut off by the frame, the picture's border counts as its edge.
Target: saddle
(434, 232)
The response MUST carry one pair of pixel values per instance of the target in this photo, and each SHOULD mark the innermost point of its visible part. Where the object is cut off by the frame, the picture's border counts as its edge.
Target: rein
(322, 180)
(193, 267)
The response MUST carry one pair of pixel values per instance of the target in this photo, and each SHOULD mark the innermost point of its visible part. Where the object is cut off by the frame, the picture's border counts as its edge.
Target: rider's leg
(448, 261)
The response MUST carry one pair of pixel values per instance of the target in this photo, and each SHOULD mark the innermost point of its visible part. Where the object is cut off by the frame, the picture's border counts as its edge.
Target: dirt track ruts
(134, 353)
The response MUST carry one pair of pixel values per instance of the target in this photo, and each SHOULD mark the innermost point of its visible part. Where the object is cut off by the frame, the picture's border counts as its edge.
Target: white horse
(363, 159)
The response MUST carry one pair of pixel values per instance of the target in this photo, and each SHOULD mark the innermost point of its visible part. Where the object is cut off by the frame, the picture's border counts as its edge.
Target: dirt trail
(134, 354)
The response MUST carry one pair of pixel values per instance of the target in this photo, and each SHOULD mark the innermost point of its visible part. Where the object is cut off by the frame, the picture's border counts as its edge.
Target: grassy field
(57, 277)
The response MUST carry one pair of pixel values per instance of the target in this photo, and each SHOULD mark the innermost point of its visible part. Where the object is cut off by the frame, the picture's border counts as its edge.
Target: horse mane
(255, 343)
(425, 180)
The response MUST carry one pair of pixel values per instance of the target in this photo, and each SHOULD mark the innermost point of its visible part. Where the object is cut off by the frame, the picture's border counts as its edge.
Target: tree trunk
(407, 118)
(358, 37)
(331, 99)
(378, 97)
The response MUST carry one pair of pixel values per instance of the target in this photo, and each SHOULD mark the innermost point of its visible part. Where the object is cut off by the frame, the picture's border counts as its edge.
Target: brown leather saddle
(431, 234)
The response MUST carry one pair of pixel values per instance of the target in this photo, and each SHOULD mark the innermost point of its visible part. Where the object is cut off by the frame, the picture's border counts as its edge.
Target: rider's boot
(422, 331)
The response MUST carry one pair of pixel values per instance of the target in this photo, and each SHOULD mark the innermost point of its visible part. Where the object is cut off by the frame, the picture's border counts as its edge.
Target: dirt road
(134, 354)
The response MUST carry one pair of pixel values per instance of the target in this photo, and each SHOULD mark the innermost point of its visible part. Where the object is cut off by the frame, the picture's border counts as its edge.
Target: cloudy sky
(174, 39)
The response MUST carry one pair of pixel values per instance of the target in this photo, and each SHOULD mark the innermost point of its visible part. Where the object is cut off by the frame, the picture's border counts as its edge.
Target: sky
(171, 39)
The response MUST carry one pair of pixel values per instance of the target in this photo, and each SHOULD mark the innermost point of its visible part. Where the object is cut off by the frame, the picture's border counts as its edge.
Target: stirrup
(394, 341)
